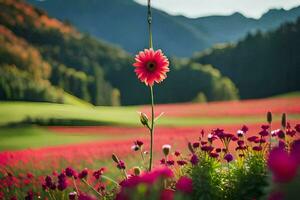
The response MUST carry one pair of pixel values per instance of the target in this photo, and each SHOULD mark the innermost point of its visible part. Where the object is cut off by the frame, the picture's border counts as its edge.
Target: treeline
(49, 51)
(262, 64)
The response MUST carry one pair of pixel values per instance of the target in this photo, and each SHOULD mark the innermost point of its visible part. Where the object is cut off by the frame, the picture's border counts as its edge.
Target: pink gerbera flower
(151, 66)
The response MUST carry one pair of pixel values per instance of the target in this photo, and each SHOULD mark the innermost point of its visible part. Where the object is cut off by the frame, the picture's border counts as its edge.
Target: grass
(35, 137)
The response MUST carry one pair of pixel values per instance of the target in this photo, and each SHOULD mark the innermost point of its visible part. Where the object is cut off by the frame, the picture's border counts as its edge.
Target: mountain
(261, 64)
(123, 22)
(41, 58)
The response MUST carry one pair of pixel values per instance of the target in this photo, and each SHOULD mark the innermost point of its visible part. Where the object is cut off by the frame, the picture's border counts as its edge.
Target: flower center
(151, 66)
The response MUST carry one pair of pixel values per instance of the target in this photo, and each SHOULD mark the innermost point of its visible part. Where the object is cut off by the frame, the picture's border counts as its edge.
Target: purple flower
(29, 196)
(196, 144)
(62, 182)
(240, 143)
(98, 173)
(207, 148)
(297, 127)
(265, 127)
(181, 162)
(252, 138)
(244, 129)
(194, 159)
(257, 148)
(70, 172)
(218, 150)
(263, 133)
(121, 165)
(280, 134)
(170, 162)
(139, 143)
(290, 132)
(72, 195)
(185, 184)
(163, 161)
(214, 155)
(177, 153)
(228, 157)
(83, 174)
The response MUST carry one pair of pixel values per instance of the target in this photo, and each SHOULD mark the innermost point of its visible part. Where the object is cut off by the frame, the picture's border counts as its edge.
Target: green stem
(75, 185)
(110, 179)
(151, 128)
(91, 187)
(149, 24)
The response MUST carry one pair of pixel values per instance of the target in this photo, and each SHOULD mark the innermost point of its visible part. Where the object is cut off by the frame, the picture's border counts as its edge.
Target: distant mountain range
(123, 22)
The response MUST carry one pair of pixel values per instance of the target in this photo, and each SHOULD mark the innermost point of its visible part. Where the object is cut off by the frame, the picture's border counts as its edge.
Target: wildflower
(214, 155)
(257, 148)
(218, 150)
(170, 162)
(62, 182)
(98, 173)
(283, 166)
(70, 172)
(196, 145)
(139, 143)
(163, 161)
(167, 194)
(177, 153)
(181, 162)
(252, 138)
(185, 184)
(274, 133)
(228, 157)
(264, 133)
(240, 143)
(83, 174)
(244, 129)
(166, 149)
(297, 128)
(194, 159)
(151, 66)
(72, 195)
(265, 127)
(121, 165)
(290, 132)
(207, 148)
(295, 151)
(280, 134)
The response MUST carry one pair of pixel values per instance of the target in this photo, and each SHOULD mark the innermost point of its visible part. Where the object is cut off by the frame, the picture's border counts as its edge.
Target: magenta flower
(194, 159)
(170, 162)
(297, 128)
(177, 153)
(151, 66)
(185, 185)
(252, 138)
(244, 129)
(214, 155)
(83, 174)
(121, 165)
(181, 162)
(62, 182)
(97, 174)
(283, 166)
(196, 145)
(167, 195)
(70, 172)
(257, 148)
(295, 151)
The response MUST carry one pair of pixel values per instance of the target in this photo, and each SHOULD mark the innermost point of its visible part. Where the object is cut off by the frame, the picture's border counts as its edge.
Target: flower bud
(283, 121)
(144, 119)
(136, 171)
(269, 117)
(166, 149)
(115, 158)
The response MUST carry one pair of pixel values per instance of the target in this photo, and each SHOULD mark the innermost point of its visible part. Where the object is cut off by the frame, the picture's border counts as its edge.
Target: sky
(198, 8)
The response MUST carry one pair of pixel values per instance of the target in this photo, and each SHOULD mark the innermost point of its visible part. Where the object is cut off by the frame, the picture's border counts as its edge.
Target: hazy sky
(197, 8)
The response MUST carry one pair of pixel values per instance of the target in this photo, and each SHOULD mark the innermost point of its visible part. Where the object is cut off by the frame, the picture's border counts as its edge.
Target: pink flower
(151, 66)
(283, 166)
(167, 195)
(185, 184)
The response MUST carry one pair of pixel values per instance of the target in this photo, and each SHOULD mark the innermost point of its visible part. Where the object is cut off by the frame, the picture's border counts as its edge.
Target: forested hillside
(42, 57)
(262, 64)
(122, 22)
